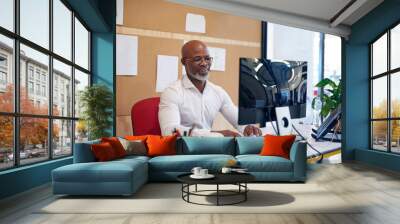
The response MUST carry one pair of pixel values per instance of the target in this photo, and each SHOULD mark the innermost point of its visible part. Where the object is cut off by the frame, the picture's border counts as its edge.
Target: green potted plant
(331, 97)
(96, 102)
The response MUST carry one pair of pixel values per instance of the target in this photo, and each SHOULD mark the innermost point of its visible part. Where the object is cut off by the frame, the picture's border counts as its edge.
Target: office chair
(144, 116)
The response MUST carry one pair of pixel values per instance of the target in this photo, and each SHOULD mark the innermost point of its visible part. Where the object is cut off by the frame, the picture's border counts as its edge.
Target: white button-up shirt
(183, 106)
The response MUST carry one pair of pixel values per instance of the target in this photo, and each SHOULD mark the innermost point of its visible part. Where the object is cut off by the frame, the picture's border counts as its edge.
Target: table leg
(217, 194)
(196, 188)
(188, 190)
(245, 193)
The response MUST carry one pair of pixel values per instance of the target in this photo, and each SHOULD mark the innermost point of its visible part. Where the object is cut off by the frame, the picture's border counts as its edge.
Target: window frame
(388, 74)
(16, 115)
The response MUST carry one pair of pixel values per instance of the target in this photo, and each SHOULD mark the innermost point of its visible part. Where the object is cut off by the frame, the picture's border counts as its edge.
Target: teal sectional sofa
(125, 176)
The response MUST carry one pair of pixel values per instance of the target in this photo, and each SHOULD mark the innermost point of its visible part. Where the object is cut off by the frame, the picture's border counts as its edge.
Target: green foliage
(96, 102)
(331, 96)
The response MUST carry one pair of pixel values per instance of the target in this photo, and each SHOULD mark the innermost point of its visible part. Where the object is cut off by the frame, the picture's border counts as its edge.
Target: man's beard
(199, 77)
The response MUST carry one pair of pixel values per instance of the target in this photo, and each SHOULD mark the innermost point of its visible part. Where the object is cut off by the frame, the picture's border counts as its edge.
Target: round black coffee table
(238, 179)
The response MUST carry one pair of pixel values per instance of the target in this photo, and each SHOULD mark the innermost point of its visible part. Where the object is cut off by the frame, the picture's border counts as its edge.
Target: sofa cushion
(207, 145)
(116, 170)
(257, 163)
(185, 163)
(249, 145)
(129, 159)
(118, 177)
(134, 147)
(116, 145)
(161, 145)
(277, 145)
(103, 152)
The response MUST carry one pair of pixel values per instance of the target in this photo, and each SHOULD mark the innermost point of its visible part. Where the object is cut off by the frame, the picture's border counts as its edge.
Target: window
(30, 87)
(54, 125)
(34, 21)
(3, 71)
(38, 74)
(3, 78)
(30, 72)
(385, 96)
(332, 57)
(3, 61)
(81, 81)
(7, 14)
(43, 90)
(38, 89)
(62, 75)
(81, 45)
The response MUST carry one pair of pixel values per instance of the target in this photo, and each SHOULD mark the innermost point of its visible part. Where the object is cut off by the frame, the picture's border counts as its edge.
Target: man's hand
(228, 133)
(252, 130)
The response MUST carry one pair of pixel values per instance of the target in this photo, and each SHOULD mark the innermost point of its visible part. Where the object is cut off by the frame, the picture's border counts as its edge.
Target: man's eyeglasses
(198, 59)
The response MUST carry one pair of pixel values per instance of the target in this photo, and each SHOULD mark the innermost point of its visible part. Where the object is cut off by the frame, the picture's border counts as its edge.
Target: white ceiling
(320, 9)
(316, 15)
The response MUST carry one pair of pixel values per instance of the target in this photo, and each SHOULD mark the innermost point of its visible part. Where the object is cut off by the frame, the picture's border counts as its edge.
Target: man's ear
(183, 61)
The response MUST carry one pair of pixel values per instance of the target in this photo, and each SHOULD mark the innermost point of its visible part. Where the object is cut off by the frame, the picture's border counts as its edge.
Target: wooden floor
(377, 188)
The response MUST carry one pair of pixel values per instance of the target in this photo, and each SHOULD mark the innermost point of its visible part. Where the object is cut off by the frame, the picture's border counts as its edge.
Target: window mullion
(50, 81)
(16, 84)
(389, 104)
(73, 82)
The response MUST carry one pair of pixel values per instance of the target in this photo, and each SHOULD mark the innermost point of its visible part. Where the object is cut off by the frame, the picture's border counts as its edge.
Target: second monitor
(265, 84)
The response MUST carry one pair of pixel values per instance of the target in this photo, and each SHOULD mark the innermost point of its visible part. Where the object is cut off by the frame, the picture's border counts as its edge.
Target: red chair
(144, 116)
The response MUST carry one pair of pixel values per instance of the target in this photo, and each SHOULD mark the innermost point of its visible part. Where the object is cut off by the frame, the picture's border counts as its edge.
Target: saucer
(208, 176)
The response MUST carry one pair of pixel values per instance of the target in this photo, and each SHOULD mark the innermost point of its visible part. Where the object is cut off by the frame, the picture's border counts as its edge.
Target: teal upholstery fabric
(119, 177)
(207, 145)
(83, 152)
(257, 163)
(184, 163)
(298, 155)
(249, 145)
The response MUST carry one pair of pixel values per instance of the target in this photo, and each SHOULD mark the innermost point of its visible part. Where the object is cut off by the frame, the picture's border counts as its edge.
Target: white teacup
(226, 170)
(196, 171)
(203, 172)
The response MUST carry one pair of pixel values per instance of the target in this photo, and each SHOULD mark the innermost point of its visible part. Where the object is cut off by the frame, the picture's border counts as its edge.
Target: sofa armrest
(298, 155)
(83, 152)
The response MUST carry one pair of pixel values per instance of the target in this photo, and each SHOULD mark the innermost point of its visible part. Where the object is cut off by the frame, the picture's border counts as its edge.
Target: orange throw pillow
(161, 145)
(103, 152)
(116, 145)
(277, 145)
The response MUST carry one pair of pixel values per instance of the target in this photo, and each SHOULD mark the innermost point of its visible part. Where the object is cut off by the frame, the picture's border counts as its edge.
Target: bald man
(191, 104)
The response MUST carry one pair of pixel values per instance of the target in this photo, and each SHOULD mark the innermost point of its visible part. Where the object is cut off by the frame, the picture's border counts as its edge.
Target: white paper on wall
(219, 55)
(195, 23)
(120, 12)
(167, 71)
(127, 51)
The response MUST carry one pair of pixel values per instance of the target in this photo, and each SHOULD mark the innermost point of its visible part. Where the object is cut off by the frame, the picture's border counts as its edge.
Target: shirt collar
(187, 84)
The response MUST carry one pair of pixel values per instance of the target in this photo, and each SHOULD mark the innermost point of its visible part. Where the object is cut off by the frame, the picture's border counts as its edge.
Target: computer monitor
(265, 84)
